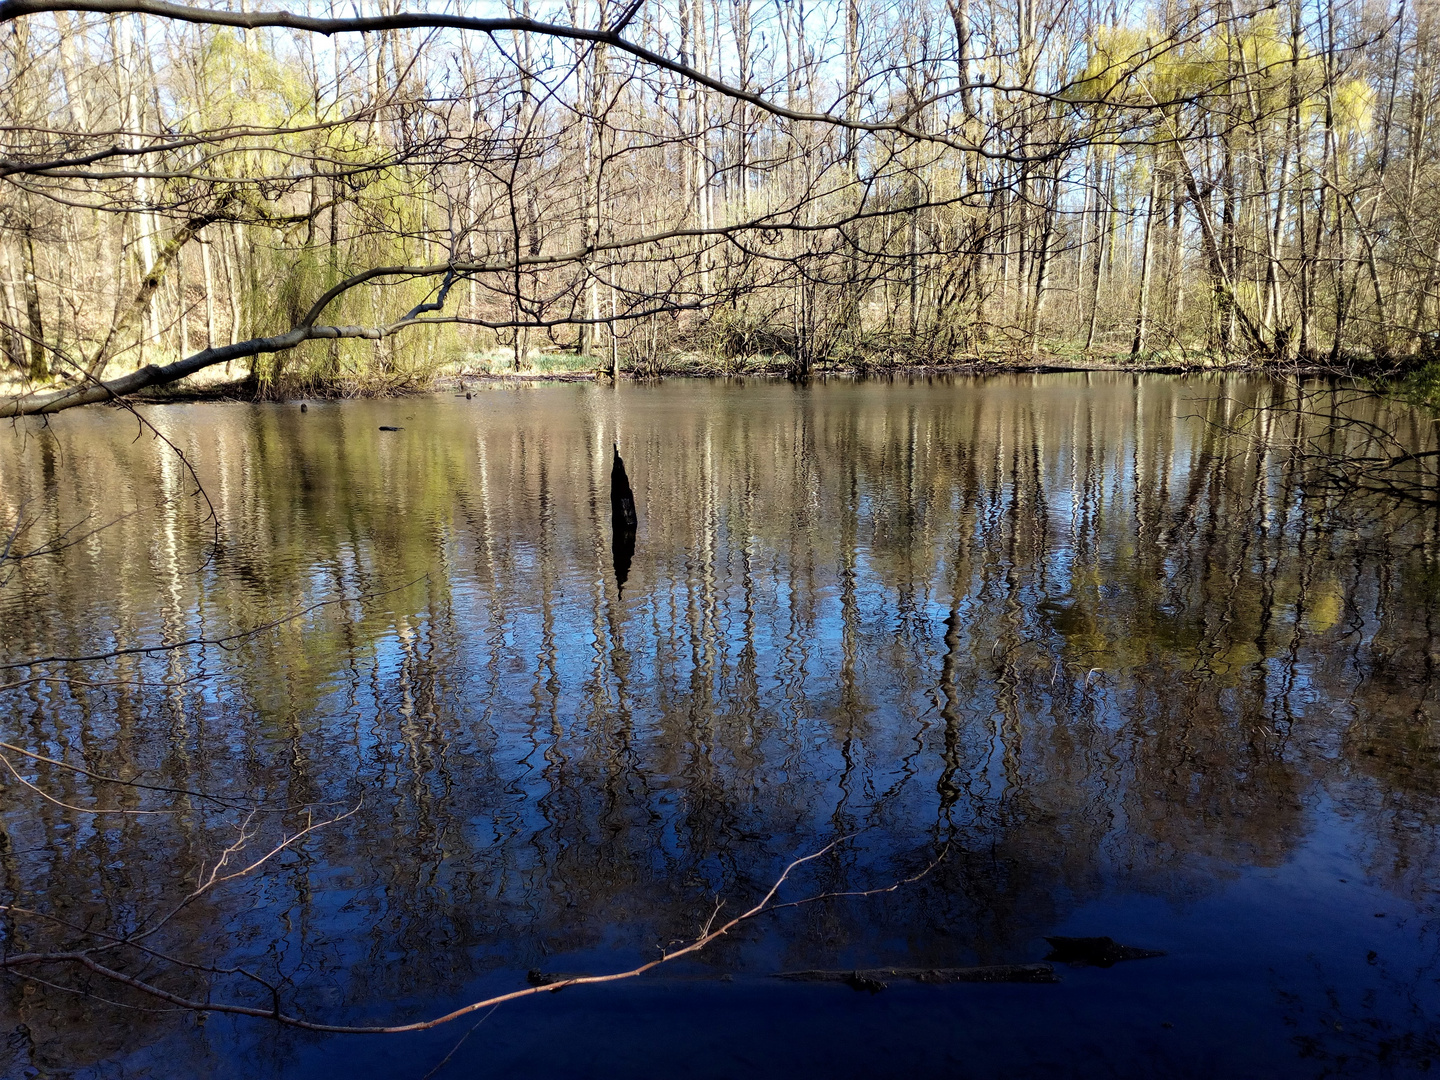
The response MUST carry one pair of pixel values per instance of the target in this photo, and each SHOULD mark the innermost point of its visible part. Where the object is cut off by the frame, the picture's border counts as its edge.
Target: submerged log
(874, 980)
(1095, 951)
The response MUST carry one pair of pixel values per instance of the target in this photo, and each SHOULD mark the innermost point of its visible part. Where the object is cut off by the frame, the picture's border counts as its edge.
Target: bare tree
(743, 179)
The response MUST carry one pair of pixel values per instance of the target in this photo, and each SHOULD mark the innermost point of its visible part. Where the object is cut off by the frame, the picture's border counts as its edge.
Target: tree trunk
(39, 369)
(207, 267)
(1142, 314)
(11, 341)
(1104, 230)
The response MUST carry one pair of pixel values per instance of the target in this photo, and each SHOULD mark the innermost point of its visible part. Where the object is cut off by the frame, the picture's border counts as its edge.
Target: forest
(354, 201)
(1103, 614)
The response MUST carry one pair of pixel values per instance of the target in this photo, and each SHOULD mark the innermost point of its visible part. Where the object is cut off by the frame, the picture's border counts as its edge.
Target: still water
(1120, 672)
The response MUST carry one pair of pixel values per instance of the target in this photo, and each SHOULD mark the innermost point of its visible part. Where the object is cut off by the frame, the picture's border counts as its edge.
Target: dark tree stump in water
(623, 519)
(622, 499)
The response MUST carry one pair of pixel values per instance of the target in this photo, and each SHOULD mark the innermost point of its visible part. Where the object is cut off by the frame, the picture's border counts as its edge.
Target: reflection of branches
(708, 933)
(132, 783)
(82, 370)
(207, 881)
(1343, 452)
(94, 684)
(57, 543)
(15, 532)
(225, 642)
(15, 773)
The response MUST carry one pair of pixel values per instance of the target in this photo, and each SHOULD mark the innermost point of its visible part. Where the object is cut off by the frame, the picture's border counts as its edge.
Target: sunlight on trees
(855, 183)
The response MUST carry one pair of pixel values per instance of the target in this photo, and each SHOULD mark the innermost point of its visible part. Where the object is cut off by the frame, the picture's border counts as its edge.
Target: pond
(1058, 655)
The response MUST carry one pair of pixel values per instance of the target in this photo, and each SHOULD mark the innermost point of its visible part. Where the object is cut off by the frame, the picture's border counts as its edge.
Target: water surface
(1122, 672)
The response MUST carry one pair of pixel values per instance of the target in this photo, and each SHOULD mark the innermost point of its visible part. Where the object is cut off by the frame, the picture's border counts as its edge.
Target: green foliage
(1249, 71)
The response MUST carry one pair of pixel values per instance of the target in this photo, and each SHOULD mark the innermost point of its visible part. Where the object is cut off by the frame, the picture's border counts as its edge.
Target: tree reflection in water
(1067, 625)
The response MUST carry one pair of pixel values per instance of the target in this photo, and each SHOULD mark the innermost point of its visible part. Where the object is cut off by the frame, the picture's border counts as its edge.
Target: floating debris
(873, 980)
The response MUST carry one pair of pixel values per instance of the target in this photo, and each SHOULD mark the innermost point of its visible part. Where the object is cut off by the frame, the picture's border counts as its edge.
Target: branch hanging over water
(156, 375)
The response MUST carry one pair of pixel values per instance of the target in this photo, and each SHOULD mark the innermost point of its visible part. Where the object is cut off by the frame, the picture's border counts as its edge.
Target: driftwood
(876, 979)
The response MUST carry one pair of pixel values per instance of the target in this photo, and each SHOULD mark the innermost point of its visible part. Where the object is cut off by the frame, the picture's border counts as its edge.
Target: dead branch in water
(708, 933)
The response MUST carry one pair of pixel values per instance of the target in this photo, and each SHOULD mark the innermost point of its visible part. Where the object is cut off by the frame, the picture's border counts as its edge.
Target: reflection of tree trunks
(947, 784)
(499, 716)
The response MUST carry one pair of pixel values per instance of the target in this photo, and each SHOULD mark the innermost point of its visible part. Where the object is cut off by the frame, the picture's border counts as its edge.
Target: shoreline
(245, 390)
